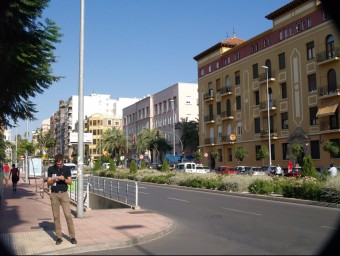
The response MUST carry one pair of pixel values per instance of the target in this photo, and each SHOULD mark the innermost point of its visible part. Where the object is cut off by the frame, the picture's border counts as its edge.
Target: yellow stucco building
(297, 63)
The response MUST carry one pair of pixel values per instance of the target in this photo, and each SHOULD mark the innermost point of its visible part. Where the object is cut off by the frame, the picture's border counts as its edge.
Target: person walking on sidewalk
(15, 173)
(6, 173)
(59, 177)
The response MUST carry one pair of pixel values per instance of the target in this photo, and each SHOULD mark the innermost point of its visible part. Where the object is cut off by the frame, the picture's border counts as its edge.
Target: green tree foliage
(308, 168)
(198, 156)
(240, 153)
(114, 142)
(26, 57)
(332, 148)
(133, 167)
(165, 166)
(189, 133)
(2, 147)
(97, 165)
(45, 141)
(143, 165)
(296, 153)
(262, 154)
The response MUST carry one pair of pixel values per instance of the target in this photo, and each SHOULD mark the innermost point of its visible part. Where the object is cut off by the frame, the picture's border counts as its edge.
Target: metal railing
(124, 191)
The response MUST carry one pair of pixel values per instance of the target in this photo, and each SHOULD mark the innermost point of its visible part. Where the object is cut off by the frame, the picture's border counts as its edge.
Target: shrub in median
(262, 187)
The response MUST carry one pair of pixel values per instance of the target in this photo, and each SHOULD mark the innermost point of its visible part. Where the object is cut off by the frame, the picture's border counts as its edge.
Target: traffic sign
(205, 154)
(141, 157)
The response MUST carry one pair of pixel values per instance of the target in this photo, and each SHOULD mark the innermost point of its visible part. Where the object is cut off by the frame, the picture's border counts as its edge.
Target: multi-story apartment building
(162, 110)
(297, 63)
(63, 121)
(97, 124)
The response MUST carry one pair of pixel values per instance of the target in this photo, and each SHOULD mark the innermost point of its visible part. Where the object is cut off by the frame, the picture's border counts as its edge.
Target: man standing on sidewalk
(59, 177)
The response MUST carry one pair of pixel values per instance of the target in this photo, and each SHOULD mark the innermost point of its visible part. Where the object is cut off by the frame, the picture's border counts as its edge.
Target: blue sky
(138, 47)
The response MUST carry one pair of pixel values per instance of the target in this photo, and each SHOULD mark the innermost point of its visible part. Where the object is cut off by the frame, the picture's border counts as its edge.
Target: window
(297, 27)
(284, 91)
(220, 155)
(285, 151)
(312, 82)
(188, 100)
(238, 103)
(237, 77)
(218, 108)
(255, 71)
(257, 125)
(209, 69)
(303, 25)
(217, 65)
(218, 85)
(313, 120)
(284, 120)
(310, 50)
(219, 131)
(109, 122)
(230, 154)
(257, 98)
(315, 149)
(309, 22)
(330, 47)
(282, 61)
(202, 72)
(239, 128)
(257, 151)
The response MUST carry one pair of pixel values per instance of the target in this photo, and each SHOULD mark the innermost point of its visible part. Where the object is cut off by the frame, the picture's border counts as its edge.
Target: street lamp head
(265, 67)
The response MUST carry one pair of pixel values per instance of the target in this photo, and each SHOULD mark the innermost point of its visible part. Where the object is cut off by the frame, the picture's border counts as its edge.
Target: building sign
(74, 138)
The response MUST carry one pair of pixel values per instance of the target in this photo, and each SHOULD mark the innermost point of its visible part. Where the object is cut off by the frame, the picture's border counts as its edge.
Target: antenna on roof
(227, 35)
(234, 33)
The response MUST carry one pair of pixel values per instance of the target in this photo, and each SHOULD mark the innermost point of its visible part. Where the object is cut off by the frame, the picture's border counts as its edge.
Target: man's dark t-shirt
(59, 185)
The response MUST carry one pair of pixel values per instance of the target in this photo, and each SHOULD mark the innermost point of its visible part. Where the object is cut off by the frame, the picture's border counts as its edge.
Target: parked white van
(189, 167)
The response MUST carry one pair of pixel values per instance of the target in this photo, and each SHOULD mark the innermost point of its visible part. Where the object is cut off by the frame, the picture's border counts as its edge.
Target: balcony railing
(208, 96)
(263, 105)
(210, 141)
(327, 126)
(226, 90)
(226, 139)
(227, 114)
(263, 76)
(209, 118)
(329, 90)
(328, 55)
(273, 133)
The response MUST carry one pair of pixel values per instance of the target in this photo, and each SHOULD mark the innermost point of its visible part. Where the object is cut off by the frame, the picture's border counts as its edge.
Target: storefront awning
(327, 111)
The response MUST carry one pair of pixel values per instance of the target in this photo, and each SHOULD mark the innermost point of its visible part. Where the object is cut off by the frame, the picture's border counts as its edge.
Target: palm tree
(147, 140)
(189, 133)
(114, 142)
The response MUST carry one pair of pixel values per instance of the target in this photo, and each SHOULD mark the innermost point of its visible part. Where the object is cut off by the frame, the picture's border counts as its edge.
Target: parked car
(202, 169)
(296, 171)
(155, 166)
(226, 170)
(73, 168)
(251, 170)
(190, 167)
(269, 170)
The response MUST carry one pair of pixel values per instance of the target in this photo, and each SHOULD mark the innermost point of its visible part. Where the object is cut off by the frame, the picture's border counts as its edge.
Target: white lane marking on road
(143, 187)
(229, 209)
(178, 199)
(143, 193)
(329, 227)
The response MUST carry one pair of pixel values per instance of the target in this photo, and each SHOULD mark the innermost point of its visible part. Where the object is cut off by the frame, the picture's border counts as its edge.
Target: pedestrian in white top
(278, 170)
(333, 171)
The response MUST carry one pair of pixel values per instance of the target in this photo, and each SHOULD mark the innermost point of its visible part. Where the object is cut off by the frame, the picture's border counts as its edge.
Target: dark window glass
(282, 61)
(315, 149)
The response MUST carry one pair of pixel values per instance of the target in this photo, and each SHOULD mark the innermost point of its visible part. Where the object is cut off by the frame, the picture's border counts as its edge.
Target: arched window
(330, 46)
(227, 81)
(331, 81)
(269, 65)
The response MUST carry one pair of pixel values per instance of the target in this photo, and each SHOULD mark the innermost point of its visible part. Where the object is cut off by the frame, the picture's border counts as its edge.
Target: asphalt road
(209, 223)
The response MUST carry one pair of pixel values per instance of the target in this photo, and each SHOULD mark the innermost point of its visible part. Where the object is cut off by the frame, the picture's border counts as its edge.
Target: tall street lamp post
(173, 125)
(268, 115)
(127, 140)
